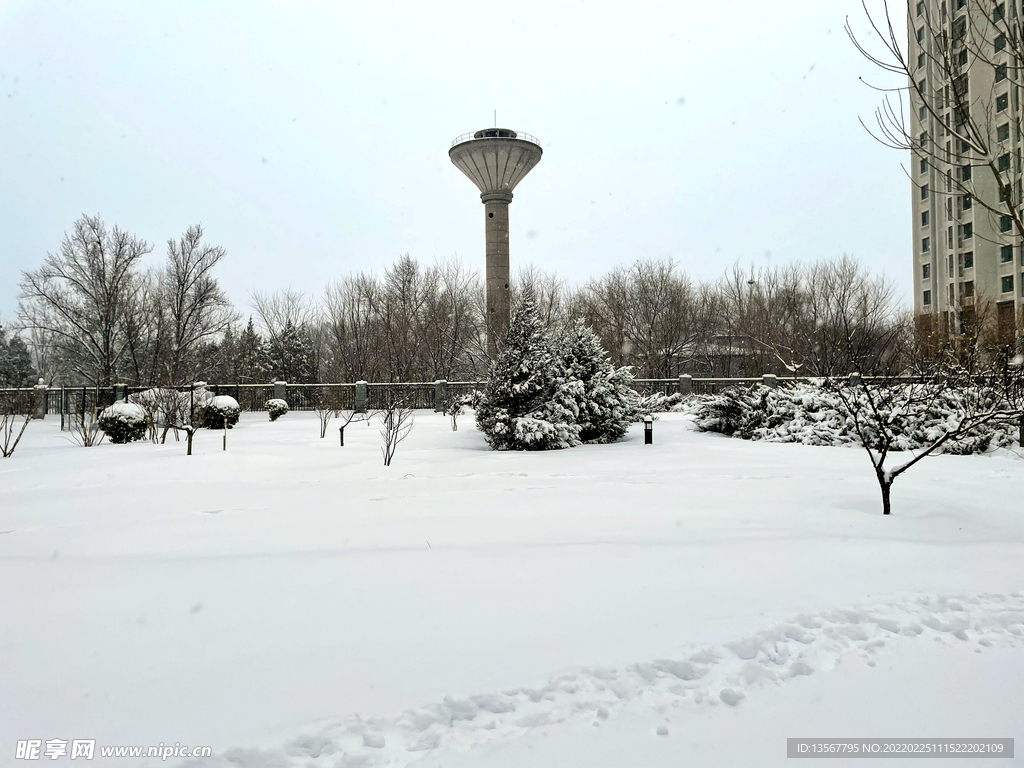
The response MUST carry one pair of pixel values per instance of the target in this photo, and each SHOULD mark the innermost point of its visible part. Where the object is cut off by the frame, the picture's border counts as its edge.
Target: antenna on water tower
(495, 160)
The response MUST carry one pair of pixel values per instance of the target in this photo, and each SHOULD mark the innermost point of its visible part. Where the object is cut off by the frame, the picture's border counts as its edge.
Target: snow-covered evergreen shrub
(520, 410)
(598, 393)
(813, 415)
(123, 422)
(219, 412)
(471, 400)
(276, 408)
(659, 402)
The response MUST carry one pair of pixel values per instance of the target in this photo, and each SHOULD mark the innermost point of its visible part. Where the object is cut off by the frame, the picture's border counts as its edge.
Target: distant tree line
(91, 314)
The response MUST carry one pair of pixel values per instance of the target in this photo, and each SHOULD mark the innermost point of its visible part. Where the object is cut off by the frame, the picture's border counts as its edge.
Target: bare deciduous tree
(881, 407)
(195, 307)
(651, 316)
(79, 297)
(397, 421)
(972, 128)
(8, 419)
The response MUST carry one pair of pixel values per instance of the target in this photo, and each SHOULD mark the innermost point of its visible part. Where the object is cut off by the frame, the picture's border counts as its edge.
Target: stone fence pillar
(281, 390)
(854, 380)
(686, 384)
(770, 380)
(440, 395)
(39, 400)
(362, 396)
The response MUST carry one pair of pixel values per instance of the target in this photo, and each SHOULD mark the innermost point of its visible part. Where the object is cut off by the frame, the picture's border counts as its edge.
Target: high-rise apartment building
(966, 59)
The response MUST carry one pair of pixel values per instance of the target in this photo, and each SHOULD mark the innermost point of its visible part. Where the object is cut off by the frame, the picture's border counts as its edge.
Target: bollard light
(648, 429)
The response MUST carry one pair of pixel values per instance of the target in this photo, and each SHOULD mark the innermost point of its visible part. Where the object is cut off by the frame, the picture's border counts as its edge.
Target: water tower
(496, 159)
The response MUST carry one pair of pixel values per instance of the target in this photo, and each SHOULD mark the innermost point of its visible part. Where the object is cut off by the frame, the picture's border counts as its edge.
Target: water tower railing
(471, 137)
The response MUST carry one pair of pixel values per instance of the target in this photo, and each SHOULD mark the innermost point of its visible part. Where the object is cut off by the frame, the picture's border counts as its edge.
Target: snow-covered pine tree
(519, 411)
(598, 393)
(15, 362)
(292, 357)
(250, 363)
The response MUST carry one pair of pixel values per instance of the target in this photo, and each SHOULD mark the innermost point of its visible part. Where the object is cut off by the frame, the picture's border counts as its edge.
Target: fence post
(686, 384)
(39, 390)
(281, 390)
(770, 380)
(362, 396)
(854, 380)
(440, 395)
(123, 394)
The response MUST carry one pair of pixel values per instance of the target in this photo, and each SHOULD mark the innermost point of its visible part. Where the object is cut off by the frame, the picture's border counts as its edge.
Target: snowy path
(251, 599)
(705, 678)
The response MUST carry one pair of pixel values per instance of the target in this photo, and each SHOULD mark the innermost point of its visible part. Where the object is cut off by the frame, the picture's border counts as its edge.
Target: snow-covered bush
(123, 422)
(219, 412)
(276, 408)
(659, 402)
(814, 415)
(598, 393)
(520, 410)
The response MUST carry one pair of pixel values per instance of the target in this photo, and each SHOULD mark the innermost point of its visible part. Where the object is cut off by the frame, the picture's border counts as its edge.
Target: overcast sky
(311, 139)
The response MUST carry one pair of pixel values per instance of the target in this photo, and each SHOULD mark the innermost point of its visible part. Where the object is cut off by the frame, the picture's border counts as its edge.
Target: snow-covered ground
(291, 602)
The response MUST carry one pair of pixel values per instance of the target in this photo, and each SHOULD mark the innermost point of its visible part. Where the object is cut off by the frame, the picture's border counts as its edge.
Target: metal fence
(67, 401)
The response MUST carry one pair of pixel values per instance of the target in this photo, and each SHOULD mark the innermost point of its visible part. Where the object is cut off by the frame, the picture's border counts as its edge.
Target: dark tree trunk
(885, 484)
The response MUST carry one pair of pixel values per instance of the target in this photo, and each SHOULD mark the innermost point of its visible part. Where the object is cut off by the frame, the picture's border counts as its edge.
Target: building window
(965, 173)
(920, 60)
(960, 4)
(927, 298)
(968, 202)
(969, 288)
(920, 8)
(924, 165)
(922, 113)
(1004, 223)
(968, 259)
(1007, 284)
(1003, 132)
(924, 218)
(921, 87)
(959, 28)
(1000, 72)
(1003, 162)
(926, 244)
(999, 12)
(968, 230)
(961, 58)
(926, 271)
(920, 35)
(1002, 102)
(924, 191)
(1000, 42)
(964, 147)
(1006, 253)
